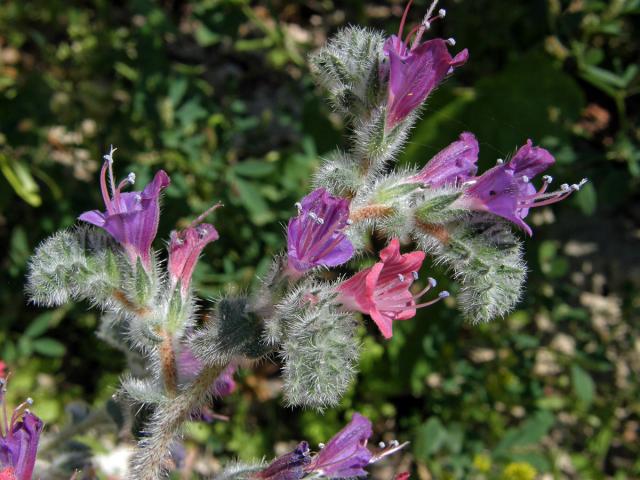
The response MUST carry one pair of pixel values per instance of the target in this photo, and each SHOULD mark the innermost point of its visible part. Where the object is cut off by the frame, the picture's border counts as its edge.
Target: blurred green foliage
(217, 92)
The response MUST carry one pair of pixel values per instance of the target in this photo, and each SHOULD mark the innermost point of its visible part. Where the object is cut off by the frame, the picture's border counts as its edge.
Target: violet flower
(131, 218)
(453, 165)
(316, 236)
(382, 291)
(19, 437)
(185, 247)
(346, 454)
(415, 70)
(290, 466)
(506, 189)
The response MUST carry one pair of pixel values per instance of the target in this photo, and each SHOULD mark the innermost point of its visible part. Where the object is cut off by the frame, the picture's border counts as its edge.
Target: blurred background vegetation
(218, 93)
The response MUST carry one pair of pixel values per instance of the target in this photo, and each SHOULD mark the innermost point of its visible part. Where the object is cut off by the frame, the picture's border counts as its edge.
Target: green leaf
(587, 199)
(253, 168)
(429, 438)
(39, 325)
(49, 347)
(582, 384)
(254, 202)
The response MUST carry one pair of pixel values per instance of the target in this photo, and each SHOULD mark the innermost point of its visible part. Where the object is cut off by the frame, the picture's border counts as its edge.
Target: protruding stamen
(444, 294)
(29, 401)
(499, 161)
(451, 41)
(321, 446)
(200, 218)
(394, 443)
(298, 205)
(138, 198)
(468, 183)
(432, 282)
(442, 13)
(547, 179)
(525, 179)
(320, 220)
(415, 275)
(401, 278)
(131, 178)
(382, 445)
(349, 221)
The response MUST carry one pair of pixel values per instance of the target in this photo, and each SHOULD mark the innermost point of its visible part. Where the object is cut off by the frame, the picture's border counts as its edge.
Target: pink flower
(185, 247)
(382, 291)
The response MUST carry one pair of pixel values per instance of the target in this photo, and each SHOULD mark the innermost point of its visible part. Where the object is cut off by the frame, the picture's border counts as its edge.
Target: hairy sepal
(348, 67)
(235, 331)
(487, 260)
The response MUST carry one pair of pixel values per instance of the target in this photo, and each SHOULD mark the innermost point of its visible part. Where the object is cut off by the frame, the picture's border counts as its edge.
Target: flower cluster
(19, 437)
(505, 190)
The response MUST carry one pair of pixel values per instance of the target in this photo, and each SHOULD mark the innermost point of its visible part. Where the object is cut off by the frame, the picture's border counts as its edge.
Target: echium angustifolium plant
(463, 220)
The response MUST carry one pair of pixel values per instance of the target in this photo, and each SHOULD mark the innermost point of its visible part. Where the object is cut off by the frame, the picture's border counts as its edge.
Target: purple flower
(414, 71)
(19, 439)
(506, 189)
(346, 454)
(185, 247)
(454, 164)
(289, 466)
(131, 218)
(315, 236)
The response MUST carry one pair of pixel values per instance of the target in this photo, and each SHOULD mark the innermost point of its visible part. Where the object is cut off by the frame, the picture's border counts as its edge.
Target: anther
(394, 443)
(298, 205)
(432, 282)
(321, 446)
(426, 24)
(451, 41)
(401, 277)
(313, 216)
(29, 401)
(138, 197)
(468, 183)
(415, 275)
(525, 179)
(443, 294)
(442, 13)
(131, 178)
(320, 220)
(499, 161)
(349, 221)
(382, 445)
(548, 179)
(565, 187)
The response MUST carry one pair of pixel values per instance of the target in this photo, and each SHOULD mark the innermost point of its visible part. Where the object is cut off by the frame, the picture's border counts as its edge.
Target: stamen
(320, 220)
(565, 187)
(382, 445)
(404, 19)
(525, 179)
(394, 443)
(131, 178)
(499, 161)
(442, 13)
(415, 275)
(444, 294)
(200, 218)
(401, 277)
(451, 41)
(432, 281)
(321, 446)
(468, 183)
(349, 221)
(547, 179)
(298, 205)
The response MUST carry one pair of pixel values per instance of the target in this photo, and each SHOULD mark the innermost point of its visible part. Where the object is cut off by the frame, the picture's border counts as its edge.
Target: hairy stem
(148, 462)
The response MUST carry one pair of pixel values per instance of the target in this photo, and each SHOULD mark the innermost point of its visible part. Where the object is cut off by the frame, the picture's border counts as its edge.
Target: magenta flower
(382, 291)
(131, 218)
(415, 70)
(185, 247)
(315, 237)
(346, 454)
(289, 466)
(453, 165)
(19, 437)
(506, 189)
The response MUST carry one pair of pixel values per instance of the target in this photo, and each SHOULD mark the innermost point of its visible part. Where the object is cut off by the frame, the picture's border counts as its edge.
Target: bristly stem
(148, 462)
